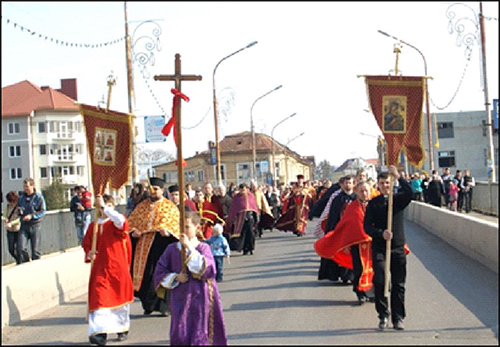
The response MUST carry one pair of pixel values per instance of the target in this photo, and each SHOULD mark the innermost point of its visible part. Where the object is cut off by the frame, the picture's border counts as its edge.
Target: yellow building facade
(236, 163)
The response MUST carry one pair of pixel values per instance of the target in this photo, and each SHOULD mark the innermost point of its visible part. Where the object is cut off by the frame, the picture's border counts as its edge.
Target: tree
(324, 170)
(55, 195)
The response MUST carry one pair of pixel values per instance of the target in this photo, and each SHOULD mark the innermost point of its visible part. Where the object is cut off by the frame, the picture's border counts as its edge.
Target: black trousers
(467, 200)
(397, 283)
(357, 269)
(13, 248)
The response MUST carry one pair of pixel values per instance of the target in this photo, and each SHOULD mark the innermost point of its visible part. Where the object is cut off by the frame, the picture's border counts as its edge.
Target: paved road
(274, 298)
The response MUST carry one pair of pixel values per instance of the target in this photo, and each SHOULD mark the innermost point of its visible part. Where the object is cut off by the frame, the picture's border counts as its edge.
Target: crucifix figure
(178, 77)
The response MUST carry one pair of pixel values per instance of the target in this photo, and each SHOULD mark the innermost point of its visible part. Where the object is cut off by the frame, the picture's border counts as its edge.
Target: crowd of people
(144, 254)
(452, 192)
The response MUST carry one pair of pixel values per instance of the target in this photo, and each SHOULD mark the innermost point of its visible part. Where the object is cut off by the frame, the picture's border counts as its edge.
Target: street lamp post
(286, 156)
(380, 148)
(216, 118)
(273, 168)
(254, 154)
(429, 126)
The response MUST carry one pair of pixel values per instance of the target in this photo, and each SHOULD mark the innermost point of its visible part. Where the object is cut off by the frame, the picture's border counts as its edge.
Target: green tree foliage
(324, 170)
(55, 195)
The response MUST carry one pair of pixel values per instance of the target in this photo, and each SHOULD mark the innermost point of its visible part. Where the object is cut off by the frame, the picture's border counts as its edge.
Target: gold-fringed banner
(396, 102)
(109, 146)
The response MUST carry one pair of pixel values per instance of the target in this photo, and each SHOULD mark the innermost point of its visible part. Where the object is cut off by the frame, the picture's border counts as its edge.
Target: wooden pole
(94, 245)
(388, 242)
(178, 77)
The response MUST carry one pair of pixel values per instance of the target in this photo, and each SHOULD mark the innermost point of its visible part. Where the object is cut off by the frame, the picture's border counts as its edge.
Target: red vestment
(110, 284)
(295, 211)
(348, 232)
(209, 216)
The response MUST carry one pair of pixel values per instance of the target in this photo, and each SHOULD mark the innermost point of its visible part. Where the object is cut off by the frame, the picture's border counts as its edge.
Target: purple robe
(241, 203)
(195, 306)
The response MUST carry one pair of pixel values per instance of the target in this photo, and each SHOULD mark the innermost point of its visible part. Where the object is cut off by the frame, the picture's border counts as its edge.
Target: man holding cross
(376, 225)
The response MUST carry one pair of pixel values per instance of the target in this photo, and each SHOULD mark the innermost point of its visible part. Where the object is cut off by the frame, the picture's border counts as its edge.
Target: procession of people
(164, 265)
(134, 255)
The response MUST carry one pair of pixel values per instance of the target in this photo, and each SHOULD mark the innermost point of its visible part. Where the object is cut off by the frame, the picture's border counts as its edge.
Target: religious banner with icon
(109, 146)
(396, 102)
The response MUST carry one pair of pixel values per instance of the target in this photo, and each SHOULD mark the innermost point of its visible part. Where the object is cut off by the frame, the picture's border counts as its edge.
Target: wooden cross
(178, 77)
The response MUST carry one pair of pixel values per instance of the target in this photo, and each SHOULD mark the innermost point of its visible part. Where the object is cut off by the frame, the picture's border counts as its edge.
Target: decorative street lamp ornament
(144, 45)
(466, 27)
(225, 102)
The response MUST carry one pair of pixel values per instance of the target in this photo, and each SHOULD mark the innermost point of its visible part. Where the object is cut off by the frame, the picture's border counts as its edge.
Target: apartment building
(42, 137)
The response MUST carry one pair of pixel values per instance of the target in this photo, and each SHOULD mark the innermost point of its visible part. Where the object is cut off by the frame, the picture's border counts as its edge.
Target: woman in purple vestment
(195, 306)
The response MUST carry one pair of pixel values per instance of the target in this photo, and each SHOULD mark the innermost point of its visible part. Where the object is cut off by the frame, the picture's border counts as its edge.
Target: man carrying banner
(110, 285)
(375, 225)
(384, 218)
(154, 224)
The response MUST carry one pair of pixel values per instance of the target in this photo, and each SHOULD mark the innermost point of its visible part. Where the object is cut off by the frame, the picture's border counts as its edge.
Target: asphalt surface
(274, 298)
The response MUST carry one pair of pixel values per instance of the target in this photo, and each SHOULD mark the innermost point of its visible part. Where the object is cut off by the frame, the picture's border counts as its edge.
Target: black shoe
(98, 339)
(122, 336)
(383, 324)
(245, 252)
(362, 300)
(251, 252)
(398, 324)
(147, 312)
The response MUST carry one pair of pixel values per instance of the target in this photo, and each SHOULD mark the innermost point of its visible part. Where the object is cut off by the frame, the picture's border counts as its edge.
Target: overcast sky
(315, 50)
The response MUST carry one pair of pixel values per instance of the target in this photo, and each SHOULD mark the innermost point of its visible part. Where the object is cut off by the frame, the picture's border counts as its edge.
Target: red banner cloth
(110, 146)
(396, 102)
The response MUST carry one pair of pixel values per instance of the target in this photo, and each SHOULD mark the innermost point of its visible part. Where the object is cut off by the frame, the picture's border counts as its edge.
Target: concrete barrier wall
(31, 288)
(475, 238)
(485, 198)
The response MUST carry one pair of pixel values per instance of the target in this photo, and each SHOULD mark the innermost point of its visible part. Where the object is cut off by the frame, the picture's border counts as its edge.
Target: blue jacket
(219, 246)
(32, 204)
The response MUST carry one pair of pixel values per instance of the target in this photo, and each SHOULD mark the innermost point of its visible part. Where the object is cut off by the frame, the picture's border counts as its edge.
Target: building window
(189, 176)
(80, 171)
(243, 171)
(200, 176)
(446, 159)
(54, 127)
(42, 149)
(222, 172)
(14, 151)
(43, 172)
(445, 130)
(16, 174)
(170, 177)
(41, 127)
(14, 128)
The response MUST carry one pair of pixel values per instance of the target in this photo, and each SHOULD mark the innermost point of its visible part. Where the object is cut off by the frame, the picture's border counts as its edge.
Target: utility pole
(491, 149)
(130, 86)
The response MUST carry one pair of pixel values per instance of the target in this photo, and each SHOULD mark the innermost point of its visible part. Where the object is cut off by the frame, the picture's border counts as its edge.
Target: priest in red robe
(209, 212)
(296, 209)
(348, 244)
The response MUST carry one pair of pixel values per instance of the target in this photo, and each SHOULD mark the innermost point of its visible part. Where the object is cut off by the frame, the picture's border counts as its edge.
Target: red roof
(21, 98)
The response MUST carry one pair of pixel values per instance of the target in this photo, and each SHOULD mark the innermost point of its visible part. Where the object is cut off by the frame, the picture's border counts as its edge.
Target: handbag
(16, 227)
